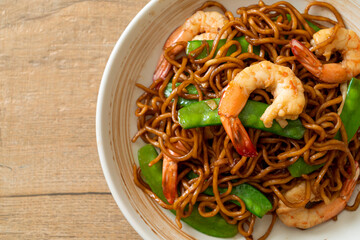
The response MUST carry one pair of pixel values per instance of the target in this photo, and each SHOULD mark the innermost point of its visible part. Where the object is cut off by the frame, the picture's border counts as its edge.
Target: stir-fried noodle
(208, 151)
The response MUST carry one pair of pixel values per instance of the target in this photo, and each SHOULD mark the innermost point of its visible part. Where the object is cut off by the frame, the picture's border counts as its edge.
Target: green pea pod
(192, 45)
(350, 116)
(255, 201)
(214, 226)
(152, 175)
(300, 167)
(313, 26)
(182, 102)
(205, 113)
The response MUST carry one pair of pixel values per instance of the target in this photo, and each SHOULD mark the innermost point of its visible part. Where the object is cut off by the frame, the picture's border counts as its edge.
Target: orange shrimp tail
(306, 57)
(239, 137)
(162, 69)
(169, 179)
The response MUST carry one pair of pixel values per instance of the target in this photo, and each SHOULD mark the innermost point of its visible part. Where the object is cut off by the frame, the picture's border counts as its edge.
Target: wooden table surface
(52, 56)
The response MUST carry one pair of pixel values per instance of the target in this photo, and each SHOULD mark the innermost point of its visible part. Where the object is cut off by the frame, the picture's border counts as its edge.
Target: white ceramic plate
(132, 60)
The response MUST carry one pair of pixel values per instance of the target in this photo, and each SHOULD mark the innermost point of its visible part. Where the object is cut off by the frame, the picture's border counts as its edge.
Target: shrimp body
(205, 36)
(208, 24)
(288, 103)
(306, 218)
(345, 41)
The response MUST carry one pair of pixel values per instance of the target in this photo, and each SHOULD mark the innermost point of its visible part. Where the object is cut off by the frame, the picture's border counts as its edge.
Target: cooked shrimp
(205, 36)
(169, 174)
(209, 23)
(288, 103)
(346, 41)
(306, 218)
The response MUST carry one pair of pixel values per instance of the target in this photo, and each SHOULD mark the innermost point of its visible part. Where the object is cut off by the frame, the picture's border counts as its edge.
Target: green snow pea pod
(255, 201)
(300, 167)
(205, 113)
(214, 226)
(350, 114)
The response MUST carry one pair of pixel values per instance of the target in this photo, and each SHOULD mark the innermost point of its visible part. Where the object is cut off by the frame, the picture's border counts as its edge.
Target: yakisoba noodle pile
(209, 149)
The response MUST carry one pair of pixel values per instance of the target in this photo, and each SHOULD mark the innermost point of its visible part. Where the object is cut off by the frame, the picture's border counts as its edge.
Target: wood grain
(87, 216)
(52, 55)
